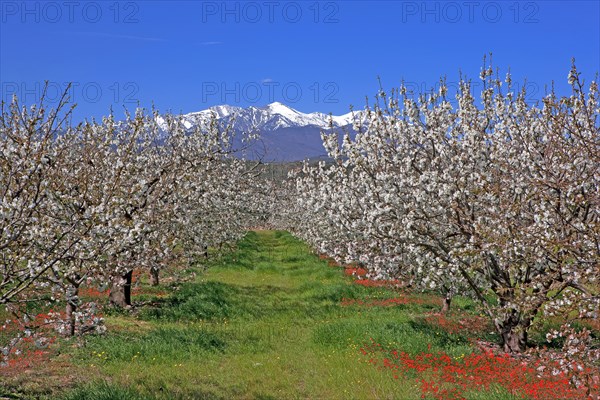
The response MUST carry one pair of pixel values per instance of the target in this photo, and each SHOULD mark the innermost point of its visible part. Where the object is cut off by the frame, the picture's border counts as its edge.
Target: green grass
(263, 322)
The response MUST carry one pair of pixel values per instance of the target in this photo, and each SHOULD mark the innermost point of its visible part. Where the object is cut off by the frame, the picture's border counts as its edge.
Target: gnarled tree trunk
(513, 332)
(154, 276)
(120, 291)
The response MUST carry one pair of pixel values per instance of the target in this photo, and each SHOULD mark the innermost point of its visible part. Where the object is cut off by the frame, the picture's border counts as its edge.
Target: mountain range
(284, 134)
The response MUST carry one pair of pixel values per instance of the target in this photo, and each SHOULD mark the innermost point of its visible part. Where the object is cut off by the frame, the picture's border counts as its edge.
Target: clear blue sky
(314, 56)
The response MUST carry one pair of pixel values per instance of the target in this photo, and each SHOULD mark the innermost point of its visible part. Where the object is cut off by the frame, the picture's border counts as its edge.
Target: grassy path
(263, 323)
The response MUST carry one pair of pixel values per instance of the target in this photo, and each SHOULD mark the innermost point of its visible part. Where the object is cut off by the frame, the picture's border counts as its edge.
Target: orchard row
(86, 204)
(493, 198)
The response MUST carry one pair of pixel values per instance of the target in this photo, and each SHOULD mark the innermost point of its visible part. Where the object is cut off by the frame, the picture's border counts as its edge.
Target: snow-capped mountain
(270, 117)
(285, 134)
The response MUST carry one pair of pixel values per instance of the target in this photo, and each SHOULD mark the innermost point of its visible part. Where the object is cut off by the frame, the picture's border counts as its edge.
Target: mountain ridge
(284, 134)
(273, 116)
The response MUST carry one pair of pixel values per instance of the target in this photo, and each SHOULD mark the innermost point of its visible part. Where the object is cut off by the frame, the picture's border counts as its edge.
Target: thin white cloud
(210, 43)
(267, 80)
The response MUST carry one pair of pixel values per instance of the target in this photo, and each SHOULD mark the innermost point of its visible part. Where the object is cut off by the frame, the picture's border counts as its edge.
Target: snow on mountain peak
(270, 117)
(279, 108)
(286, 134)
(225, 110)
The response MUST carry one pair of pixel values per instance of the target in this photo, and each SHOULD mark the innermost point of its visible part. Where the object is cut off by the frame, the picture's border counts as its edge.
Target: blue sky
(185, 56)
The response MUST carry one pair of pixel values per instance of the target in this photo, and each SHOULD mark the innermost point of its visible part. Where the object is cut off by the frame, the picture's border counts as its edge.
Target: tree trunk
(514, 341)
(446, 304)
(120, 291)
(72, 295)
(513, 333)
(154, 279)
